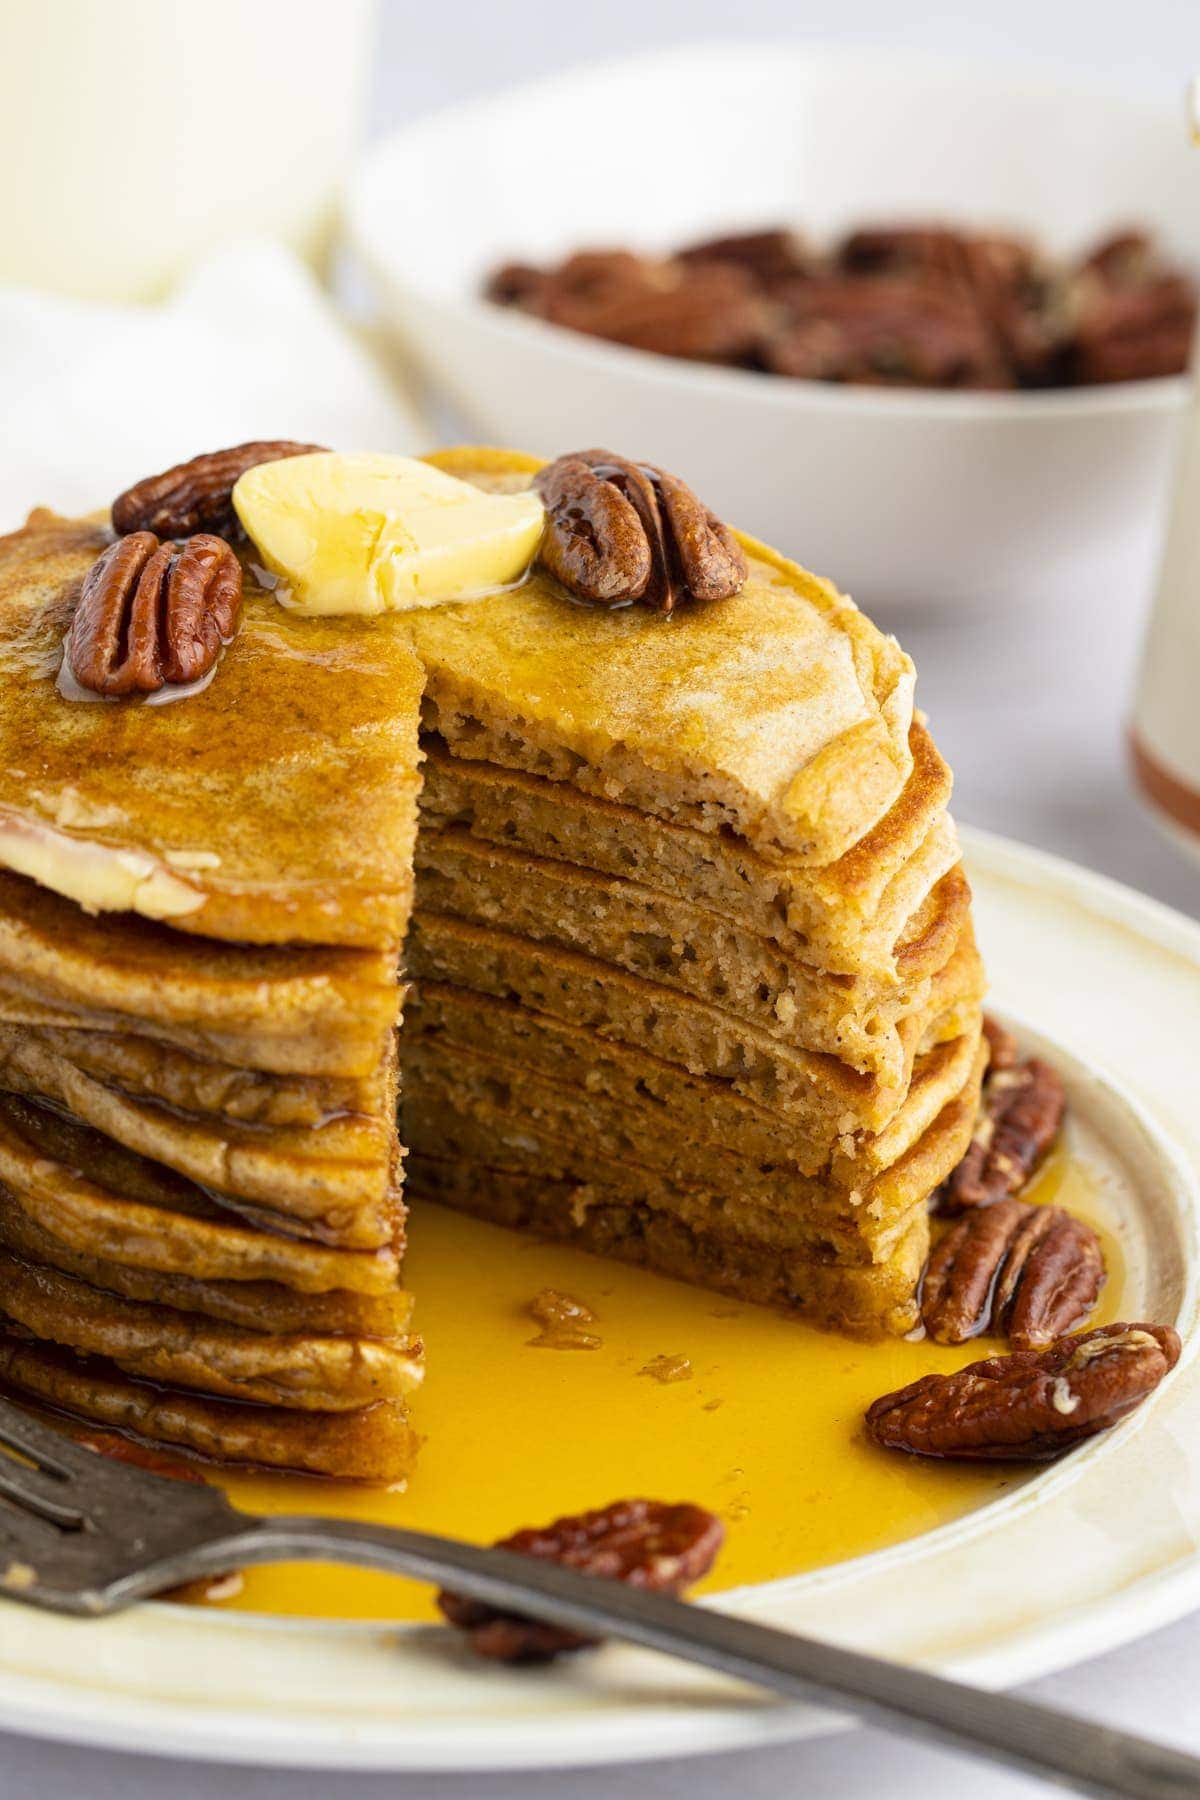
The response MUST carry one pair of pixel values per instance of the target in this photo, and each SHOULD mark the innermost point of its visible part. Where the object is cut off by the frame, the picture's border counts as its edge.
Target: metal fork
(80, 1533)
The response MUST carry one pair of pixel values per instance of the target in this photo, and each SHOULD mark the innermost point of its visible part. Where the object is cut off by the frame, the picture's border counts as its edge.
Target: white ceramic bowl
(904, 497)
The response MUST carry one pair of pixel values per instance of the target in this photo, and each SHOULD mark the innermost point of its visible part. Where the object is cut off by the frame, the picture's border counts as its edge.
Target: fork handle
(1085, 1757)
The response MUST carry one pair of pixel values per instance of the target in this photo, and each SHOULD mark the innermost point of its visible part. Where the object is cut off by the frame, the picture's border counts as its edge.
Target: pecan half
(1134, 333)
(643, 1542)
(708, 311)
(197, 495)
(1032, 1405)
(1032, 1272)
(1021, 1111)
(914, 330)
(618, 531)
(150, 613)
(1003, 1051)
(771, 256)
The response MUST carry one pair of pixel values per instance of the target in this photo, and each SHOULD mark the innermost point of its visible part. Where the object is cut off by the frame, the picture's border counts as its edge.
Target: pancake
(336, 1178)
(254, 1305)
(102, 1200)
(307, 1011)
(301, 1370)
(782, 714)
(848, 916)
(454, 1101)
(819, 1090)
(863, 1300)
(139, 1067)
(719, 1195)
(697, 951)
(704, 1107)
(229, 809)
(372, 1443)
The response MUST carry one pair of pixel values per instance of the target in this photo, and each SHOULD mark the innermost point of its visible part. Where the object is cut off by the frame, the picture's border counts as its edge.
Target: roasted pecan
(1024, 304)
(1032, 1405)
(197, 495)
(150, 613)
(1136, 332)
(1003, 1051)
(1021, 1111)
(922, 305)
(771, 256)
(515, 284)
(893, 330)
(1123, 259)
(618, 531)
(643, 1542)
(706, 311)
(564, 1322)
(1031, 1272)
(901, 249)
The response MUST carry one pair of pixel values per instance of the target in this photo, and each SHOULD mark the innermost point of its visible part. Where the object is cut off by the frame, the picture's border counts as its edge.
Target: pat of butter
(373, 534)
(97, 877)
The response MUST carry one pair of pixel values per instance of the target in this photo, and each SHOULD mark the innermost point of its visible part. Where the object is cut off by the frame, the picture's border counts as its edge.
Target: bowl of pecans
(924, 325)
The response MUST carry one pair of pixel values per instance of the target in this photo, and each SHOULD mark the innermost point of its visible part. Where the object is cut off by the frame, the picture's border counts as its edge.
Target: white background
(1029, 708)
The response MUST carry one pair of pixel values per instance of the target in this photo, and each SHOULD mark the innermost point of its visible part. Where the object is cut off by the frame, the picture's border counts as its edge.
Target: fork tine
(46, 1495)
(49, 1449)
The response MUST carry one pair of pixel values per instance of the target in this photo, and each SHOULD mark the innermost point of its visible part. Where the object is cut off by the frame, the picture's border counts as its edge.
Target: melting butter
(97, 877)
(374, 534)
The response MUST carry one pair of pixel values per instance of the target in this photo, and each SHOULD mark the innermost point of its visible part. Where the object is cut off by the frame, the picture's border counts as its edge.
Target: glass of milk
(135, 135)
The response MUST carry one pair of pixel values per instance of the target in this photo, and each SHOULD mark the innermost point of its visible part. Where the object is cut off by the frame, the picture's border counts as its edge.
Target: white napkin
(95, 397)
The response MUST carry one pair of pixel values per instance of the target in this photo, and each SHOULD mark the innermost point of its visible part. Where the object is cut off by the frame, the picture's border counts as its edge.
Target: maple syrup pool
(761, 1422)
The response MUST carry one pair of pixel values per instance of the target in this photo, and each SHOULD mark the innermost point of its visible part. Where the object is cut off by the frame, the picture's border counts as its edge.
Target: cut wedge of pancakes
(647, 935)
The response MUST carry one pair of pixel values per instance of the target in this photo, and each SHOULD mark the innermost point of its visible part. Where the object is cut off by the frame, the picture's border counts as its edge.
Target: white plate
(1085, 1556)
(905, 497)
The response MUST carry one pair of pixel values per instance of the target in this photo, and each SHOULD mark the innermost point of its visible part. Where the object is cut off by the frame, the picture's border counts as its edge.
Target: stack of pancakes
(695, 980)
(691, 982)
(201, 1228)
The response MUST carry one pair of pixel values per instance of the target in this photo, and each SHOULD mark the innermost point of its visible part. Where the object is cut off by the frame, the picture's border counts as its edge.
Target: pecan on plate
(198, 495)
(1021, 1111)
(1032, 1405)
(646, 1543)
(618, 531)
(1003, 1050)
(1031, 1272)
(152, 613)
